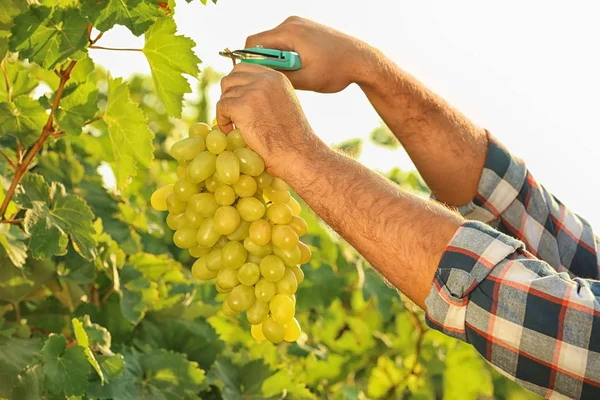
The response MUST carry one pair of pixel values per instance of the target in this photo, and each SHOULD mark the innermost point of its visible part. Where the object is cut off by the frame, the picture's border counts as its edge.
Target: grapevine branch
(113, 48)
(46, 132)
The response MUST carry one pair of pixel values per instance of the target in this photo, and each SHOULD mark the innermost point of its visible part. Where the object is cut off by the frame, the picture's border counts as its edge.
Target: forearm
(401, 235)
(447, 149)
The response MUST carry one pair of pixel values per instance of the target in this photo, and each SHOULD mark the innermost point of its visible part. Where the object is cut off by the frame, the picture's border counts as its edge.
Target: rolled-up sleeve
(535, 325)
(509, 199)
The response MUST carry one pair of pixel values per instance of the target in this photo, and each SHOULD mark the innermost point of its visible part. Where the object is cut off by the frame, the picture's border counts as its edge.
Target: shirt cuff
(501, 181)
(468, 259)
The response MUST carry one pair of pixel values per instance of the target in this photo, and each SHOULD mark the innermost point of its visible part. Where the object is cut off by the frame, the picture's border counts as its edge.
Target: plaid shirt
(519, 281)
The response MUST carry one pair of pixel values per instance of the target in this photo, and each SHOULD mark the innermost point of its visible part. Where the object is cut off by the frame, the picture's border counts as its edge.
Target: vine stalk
(46, 132)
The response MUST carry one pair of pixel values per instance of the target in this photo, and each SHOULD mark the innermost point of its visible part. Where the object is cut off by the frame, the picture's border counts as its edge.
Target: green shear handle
(276, 59)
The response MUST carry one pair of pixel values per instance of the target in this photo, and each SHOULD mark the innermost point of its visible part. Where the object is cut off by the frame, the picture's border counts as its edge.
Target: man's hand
(331, 60)
(400, 234)
(262, 104)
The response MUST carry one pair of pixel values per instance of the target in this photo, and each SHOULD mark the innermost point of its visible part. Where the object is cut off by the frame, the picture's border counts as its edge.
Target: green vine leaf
(136, 15)
(53, 216)
(20, 80)
(156, 374)
(170, 56)
(352, 148)
(13, 241)
(66, 368)
(382, 136)
(83, 341)
(15, 355)
(23, 119)
(130, 138)
(78, 105)
(48, 36)
(9, 9)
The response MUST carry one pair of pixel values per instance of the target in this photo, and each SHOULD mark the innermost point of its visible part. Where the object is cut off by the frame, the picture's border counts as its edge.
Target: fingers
(225, 107)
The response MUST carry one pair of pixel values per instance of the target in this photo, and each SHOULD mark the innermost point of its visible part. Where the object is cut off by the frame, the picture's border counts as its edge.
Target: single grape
(226, 309)
(175, 221)
(305, 253)
(289, 257)
(298, 273)
(241, 298)
(235, 140)
(272, 268)
(299, 225)
(265, 290)
(279, 213)
(224, 195)
(175, 205)
(200, 271)
(200, 129)
(257, 312)
(228, 167)
(288, 284)
(292, 331)
(284, 237)
(210, 184)
(250, 208)
(203, 204)
(202, 166)
(282, 308)
(245, 186)
(240, 232)
(158, 200)
(227, 219)
(213, 261)
(250, 162)
(216, 141)
(293, 297)
(257, 334)
(264, 180)
(227, 278)
(248, 274)
(184, 189)
(276, 196)
(279, 184)
(260, 232)
(273, 331)
(199, 251)
(207, 235)
(188, 148)
(185, 238)
(233, 255)
(295, 206)
(256, 250)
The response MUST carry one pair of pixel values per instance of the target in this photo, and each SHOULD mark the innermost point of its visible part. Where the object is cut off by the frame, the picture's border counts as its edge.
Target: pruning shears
(276, 59)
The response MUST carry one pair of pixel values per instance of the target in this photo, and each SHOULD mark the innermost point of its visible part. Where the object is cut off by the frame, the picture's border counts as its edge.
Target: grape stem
(46, 132)
(11, 162)
(114, 48)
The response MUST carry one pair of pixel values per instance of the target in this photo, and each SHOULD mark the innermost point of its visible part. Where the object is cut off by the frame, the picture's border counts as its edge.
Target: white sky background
(529, 71)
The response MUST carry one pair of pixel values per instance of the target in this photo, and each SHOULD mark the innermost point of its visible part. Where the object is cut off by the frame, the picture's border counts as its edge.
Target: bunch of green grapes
(243, 227)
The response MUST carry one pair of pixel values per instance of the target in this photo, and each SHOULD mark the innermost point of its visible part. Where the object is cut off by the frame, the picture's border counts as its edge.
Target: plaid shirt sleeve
(535, 325)
(509, 199)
